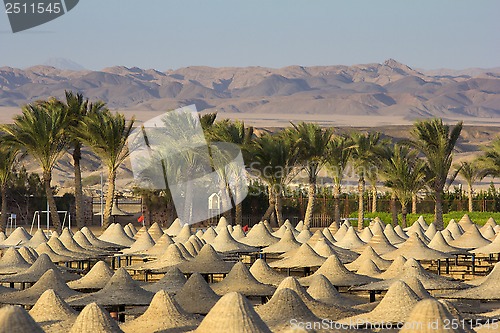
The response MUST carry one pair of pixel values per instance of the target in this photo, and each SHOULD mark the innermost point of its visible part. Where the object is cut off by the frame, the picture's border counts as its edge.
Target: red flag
(245, 228)
(140, 219)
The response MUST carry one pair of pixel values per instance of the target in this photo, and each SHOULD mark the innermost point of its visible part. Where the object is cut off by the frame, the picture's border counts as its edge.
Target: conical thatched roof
(163, 314)
(369, 268)
(465, 222)
(196, 296)
(223, 224)
(52, 313)
(38, 238)
(392, 235)
(96, 241)
(395, 307)
(175, 227)
(470, 239)
(171, 257)
(209, 235)
(488, 232)
(93, 319)
(265, 274)
(115, 234)
(414, 283)
(337, 274)
(35, 272)
(129, 231)
(285, 244)
(16, 319)
(341, 231)
(12, 262)
(84, 242)
(328, 235)
(259, 236)
(238, 233)
(208, 261)
(379, 243)
(284, 306)
(61, 249)
(376, 225)
(225, 243)
(394, 270)
(45, 248)
(323, 291)
(438, 243)
(17, 237)
(334, 226)
(369, 254)
(286, 226)
(189, 246)
(183, 235)
(431, 316)
(431, 231)
(324, 248)
(350, 240)
(232, 314)
(95, 279)
(50, 280)
(299, 226)
(69, 242)
(455, 229)
(414, 247)
(400, 232)
(142, 243)
(171, 282)
(121, 289)
(366, 235)
(487, 290)
(242, 281)
(304, 236)
(305, 256)
(155, 231)
(160, 247)
(493, 247)
(28, 254)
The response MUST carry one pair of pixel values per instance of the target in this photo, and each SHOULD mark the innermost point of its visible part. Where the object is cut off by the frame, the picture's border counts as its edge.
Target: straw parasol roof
(379, 243)
(368, 254)
(71, 244)
(417, 286)
(50, 280)
(448, 237)
(493, 247)
(366, 235)
(284, 306)
(121, 289)
(209, 235)
(222, 224)
(129, 231)
(175, 227)
(324, 248)
(161, 246)
(455, 229)
(2, 236)
(115, 234)
(488, 232)
(394, 269)
(400, 232)
(238, 233)
(323, 291)
(184, 234)
(438, 243)
(285, 226)
(486, 290)
(12, 262)
(59, 248)
(163, 314)
(96, 241)
(430, 315)
(93, 319)
(28, 254)
(328, 235)
(17, 237)
(242, 281)
(285, 244)
(431, 231)
(44, 248)
(305, 256)
(304, 236)
(171, 257)
(83, 241)
(265, 274)
(350, 240)
(16, 319)
(376, 225)
(259, 236)
(38, 238)
(155, 231)
(196, 296)
(225, 243)
(414, 247)
(395, 307)
(470, 239)
(35, 272)
(232, 314)
(369, 268)
(299, 226)
(422, 222)
(465, 222)
(189, 246)
(392, 235)
(341, 231)
(142, 243)
(208, 261)
(95, 279)
(52, 313)
(334, 226)
(171, 282)
(337, 274)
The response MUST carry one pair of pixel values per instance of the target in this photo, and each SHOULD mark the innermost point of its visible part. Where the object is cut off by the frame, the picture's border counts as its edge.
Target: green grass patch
(479, 218)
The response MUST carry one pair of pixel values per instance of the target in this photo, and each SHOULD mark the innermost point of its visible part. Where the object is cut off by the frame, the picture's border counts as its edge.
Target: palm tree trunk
(4, 217)
(271, 208)
(438, 210)
(394, 210)
(279, 208)
(311, 194)
(374, 199)
(80, 222)
(238, 210)
(470, 198)
(414, 203)
(56, 222)
(336, 203)
(188, 205)
(108, 208)
(404, 212)
(361, 209)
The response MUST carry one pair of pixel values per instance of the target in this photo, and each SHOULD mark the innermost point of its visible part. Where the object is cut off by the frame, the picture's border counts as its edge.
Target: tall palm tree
(490, 160)
(78, 108)
(8, 158)
(312, 144)
(106, 133)
(41, 131)
(436, 142)
(365, 150)
(339, 149)
(405, 174)
(273, 159)
(471, 172)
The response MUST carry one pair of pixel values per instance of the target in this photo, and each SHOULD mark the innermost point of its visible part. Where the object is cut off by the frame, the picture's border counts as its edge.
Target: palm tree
(274, 160)
(490, 160)
(8, 158)
(78, 108)
(312, 144)
(365, 150)
(339, 154)
(436, 142)
(405, 174)
(106, 133)
(41, 131)
(235, 133)
(471, 172)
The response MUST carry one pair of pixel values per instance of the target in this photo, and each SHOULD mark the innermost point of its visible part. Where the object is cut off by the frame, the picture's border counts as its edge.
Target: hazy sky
(165, 34)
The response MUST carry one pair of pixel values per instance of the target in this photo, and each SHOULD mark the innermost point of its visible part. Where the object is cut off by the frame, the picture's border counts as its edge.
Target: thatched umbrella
(16, 319)
(171, 282)
(208, 261)
(369, 254)
(95, 279)
(12, 262)
(93, 319)
(52, 313)
(259, 236)
(196, 296)
(242, 281)
(265, 274)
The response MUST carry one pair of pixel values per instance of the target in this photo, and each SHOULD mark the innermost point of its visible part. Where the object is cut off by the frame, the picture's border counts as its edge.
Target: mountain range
(387, 89)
